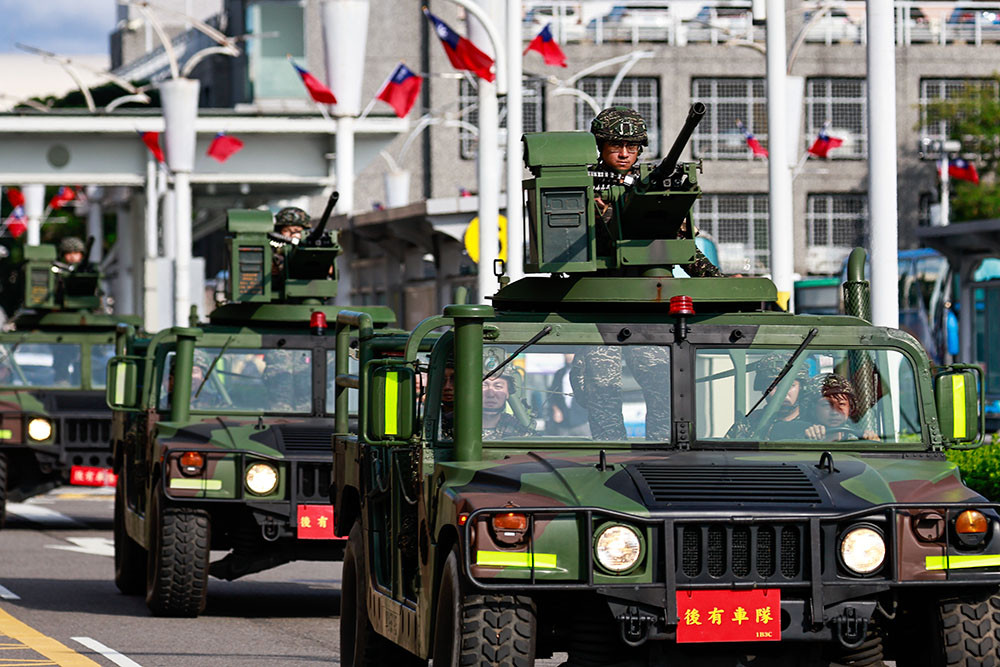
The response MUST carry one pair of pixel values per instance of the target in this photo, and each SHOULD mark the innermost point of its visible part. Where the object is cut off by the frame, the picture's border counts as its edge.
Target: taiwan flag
(544, 44)
(223, 147)
(152, 141)
(15, 197)
(17, 222)
(401, 90)
(61, 198)
(963, 170)
(824, 144)
(317, 90)
(755, 147)
(462, 53)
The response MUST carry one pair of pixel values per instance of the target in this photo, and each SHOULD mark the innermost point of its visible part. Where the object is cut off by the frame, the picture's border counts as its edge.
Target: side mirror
(959, 404)
(121, 391)
(391, 403)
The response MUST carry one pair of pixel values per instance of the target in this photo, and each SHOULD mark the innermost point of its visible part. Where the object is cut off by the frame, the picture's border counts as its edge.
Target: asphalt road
(59, 604)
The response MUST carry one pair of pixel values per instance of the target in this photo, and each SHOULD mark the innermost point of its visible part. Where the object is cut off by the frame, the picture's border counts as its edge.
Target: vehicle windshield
(40, 365)
(99, 356)
(557, 392)
(247, 380)
(868, 396)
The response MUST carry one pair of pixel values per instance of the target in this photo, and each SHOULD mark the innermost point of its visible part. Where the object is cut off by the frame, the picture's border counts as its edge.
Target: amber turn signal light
(510, 521)
(192, 463)
(971, 522)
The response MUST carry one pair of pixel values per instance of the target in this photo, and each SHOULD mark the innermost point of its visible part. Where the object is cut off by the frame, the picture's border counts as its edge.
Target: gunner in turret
(72, 250)
(621, 135)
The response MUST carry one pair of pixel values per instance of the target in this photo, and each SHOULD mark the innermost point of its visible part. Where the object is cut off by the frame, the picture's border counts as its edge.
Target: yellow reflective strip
(199, 484)
(6, 433)
(57, 653)
(958, 405)
(961, 562)
(119, 384)
(391, 403)
(512, 559)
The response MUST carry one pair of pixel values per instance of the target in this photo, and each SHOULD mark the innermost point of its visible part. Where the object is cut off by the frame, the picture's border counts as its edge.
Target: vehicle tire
(481, 630)
(177, 563)
(3, 489)
(130, 557)
(966, 630)
(360, 644)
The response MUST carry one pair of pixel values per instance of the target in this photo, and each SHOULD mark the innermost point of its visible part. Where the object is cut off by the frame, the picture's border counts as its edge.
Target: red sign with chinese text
(92, 476)
(729, 616)
(315, 522)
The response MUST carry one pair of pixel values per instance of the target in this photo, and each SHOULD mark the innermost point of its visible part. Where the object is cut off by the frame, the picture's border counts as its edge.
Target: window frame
(714, 132)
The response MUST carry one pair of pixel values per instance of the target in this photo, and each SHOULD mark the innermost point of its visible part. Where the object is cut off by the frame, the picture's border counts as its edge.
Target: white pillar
(345, 164)
(779, 174)
(515, 223)
(182, 248)
(488, 167)
(34, 206)
(945, 191)
(151, 247)
(125, 255)
(95, 222)
(882, 164)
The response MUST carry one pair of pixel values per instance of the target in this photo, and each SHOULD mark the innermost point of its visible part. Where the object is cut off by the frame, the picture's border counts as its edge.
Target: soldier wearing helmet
(835, 410)
(497, 390)
(291, 222)
(786, 423)
(621, 135)
(72, 250)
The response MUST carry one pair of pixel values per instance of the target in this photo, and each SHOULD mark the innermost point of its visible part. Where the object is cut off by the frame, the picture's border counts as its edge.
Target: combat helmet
(71, 244)
(831, 384)
(768, 368)
(291, 216)
(620, 124)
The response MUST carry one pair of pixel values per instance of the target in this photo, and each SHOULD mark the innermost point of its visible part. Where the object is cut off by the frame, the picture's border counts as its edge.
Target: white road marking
(7, 594)
(39, 514)
(98, 546)
(109, 653)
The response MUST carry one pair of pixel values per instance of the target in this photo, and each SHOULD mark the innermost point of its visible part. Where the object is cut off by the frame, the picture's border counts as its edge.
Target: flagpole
(945, 191)
(371, 105)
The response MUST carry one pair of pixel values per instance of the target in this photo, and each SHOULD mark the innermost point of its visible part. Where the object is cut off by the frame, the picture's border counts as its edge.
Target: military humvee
(54, 425)
(222, 431)
(638, 469)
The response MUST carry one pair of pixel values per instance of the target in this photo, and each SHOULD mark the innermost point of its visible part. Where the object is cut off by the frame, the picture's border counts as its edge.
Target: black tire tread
(180, 580)
(497, 631)
(969, 628)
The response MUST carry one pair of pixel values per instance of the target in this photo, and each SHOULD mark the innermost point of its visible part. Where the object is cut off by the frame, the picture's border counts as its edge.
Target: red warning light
(681, 305)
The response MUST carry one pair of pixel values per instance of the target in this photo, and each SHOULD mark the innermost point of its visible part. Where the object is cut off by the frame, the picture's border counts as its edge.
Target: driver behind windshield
(834, 409)
(783, 425)
(497, 422)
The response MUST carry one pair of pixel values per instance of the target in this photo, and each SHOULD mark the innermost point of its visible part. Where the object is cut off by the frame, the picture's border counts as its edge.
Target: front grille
(734, 484)
(313, 482)
(315, 440)
(740, 552)
(79, 402)
(86, 431)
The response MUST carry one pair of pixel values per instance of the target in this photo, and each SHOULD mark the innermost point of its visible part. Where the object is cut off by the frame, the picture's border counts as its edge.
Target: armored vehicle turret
(55, 427)
(222, 430)
(634, 469)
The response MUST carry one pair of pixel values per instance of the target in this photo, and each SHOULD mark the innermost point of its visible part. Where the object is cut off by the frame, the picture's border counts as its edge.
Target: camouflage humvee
(638, 469)
(222, 431)
(55, 427)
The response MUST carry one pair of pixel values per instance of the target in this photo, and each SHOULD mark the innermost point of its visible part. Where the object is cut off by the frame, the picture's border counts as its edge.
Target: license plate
(315, 522)
(92, 476)
(729, 616)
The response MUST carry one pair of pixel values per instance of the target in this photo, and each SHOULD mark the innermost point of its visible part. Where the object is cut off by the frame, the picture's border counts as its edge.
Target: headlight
(618, 548)
(39, 429)
(262, 478)
(862, 550)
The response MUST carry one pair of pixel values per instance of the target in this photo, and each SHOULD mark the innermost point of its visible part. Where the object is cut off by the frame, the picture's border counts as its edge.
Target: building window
(532, 110)
(932, 126)
(835, 225)
(737, 223)
(729, 103)
(271, 77)
(842, 104)
(641, 93)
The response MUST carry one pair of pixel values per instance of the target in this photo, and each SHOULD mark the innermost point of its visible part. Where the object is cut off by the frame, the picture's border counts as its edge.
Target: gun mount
(53, 285)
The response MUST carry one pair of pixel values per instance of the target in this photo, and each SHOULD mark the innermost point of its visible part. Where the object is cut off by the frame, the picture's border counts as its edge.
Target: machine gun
(50, 284)
(564, 233)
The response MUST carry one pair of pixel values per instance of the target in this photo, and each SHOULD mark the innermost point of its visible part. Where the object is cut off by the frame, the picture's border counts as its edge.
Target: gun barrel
(321, 227)
(86, 252)
(665, 168)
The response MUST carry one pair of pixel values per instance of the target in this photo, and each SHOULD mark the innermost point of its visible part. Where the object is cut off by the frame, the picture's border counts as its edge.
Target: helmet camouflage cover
(768, 368)
(620, 124)
(71, 244)
(291, 216)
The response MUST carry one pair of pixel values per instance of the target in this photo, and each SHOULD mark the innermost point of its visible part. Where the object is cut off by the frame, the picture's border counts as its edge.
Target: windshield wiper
(788, 366)
(211, 368)
(534, 339)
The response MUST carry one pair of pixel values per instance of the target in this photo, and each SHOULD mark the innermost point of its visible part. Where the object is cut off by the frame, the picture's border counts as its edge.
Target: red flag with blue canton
(963, 170)
(401, 90)
(17, 222)
(824, 144)
(152, 141)
(548, 47)
(223, 147)
(755, 147)
(317, 90)
(462, 53)
(61, 198)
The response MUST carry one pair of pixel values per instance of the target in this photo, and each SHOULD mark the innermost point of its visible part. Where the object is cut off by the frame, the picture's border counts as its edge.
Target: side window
(163, 403)
(99, 355)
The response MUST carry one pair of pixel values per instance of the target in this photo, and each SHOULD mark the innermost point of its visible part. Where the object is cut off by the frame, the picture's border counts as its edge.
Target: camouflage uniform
(627, 125)
(596, 377)
(767, 369)
(507, 427)
(290, 216)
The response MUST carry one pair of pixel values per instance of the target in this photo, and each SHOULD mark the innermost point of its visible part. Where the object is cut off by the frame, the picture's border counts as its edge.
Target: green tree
(973, 117)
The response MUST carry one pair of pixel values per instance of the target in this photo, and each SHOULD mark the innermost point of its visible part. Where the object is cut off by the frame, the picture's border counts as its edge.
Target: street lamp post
(779, 173)
(515, 208)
